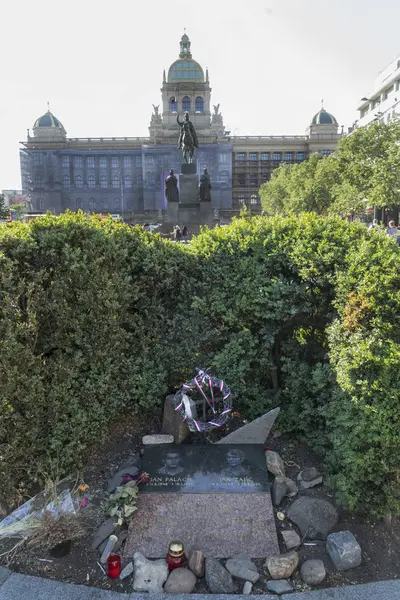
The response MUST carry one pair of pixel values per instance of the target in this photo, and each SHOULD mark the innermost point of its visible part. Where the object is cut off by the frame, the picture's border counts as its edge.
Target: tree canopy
(4, 211)
(365, 171)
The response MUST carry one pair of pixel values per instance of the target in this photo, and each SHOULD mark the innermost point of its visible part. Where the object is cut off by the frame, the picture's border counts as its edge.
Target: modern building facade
(126, 175)
(383, 102)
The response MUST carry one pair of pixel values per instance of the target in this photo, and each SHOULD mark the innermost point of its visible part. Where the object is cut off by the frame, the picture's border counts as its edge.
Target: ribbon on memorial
(210, 391)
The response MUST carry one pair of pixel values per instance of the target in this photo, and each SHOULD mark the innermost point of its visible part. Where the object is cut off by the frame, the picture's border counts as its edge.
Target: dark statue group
(187, 143)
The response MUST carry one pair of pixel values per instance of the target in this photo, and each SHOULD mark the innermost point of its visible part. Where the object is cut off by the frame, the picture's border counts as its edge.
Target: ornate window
(325, 152)
(40, 204)
(253, 156)
(91, 204)
(288, 155)
(300, 156)
(127, 162)
(253, 179)
(264, 155)
(38, 159)
(90, 162)
(186, 104)
(38, 181)
(254, 199)
(241, 155)
(117, 203)
(66, 181)
(223, 157)
(150, 178)
(79, 204)
(138, 161)
(115, 182)
(199, 104)
(242, 200)
(78, 181)
(103, 182)
(139, 179)
(242, 179)
(173, 105)
(224, 177)
(103, 162)
(91, 181)
(78, 162)
(276, 156)
(128, 182)
(104, 204)
(115, 162)
(65, 162)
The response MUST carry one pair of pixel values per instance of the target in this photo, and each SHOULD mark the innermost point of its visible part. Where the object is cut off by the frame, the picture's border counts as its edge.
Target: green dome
(48, 120)
(185, 69)
(323, 118)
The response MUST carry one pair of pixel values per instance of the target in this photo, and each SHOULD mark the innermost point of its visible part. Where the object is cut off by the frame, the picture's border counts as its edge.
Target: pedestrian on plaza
(185, 234)
(177, 233)
(393, 232)
(374, 225)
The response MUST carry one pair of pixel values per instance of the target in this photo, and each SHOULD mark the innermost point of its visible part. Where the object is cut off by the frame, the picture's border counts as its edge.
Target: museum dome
(185, 69)
(48, 120)
(323, 118)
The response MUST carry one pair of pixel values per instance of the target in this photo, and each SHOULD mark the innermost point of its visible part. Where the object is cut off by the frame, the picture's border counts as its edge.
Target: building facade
(126, 175)
(383, 102)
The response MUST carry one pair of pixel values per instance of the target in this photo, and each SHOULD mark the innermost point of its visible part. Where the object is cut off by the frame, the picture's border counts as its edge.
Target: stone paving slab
(379, 590)
(216, 523)
(4, 574)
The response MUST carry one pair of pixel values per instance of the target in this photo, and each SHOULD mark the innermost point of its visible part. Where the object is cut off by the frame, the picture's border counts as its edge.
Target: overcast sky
(270, 62)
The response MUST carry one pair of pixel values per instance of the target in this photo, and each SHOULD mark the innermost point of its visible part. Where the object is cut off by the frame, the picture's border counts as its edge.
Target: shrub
(98, 319)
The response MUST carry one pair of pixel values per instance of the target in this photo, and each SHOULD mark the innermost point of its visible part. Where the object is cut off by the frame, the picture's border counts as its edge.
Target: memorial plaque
(206, 469)
(213, 498)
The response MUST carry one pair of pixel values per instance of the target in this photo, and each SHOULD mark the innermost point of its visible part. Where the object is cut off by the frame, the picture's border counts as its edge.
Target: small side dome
(324, 118)
(48, 120)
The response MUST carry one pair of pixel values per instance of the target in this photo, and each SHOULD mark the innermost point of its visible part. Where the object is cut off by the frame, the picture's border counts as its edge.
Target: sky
(270, 62)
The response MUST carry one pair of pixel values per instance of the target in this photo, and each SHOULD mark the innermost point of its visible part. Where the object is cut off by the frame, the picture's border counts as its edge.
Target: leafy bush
(97, 320)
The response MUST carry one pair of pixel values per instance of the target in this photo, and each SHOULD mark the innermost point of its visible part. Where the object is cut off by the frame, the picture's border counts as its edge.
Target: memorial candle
(175, 556)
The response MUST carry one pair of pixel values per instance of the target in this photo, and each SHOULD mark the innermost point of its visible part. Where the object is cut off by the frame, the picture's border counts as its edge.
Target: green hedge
(99, 320)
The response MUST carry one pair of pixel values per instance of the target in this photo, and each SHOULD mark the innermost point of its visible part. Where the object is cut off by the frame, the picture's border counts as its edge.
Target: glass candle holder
(176, 556)
(114, 566)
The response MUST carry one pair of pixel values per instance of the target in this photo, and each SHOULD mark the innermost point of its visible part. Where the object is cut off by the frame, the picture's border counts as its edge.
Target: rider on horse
(188, 138)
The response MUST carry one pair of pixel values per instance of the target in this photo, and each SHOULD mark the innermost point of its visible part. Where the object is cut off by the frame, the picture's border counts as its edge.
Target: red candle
(175, 556)
(114, 566)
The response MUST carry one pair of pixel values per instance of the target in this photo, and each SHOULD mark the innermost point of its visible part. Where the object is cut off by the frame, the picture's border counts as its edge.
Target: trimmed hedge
(98, 320)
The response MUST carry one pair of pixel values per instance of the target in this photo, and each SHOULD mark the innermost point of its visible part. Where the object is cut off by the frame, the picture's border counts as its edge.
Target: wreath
(207, 391)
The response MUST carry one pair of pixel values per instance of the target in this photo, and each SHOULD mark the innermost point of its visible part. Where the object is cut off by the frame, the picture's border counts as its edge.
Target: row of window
(252, 200)
(186, 104)
(91, 181)
(38, 160)
(251, 179)
(92, 204)
(268, 155)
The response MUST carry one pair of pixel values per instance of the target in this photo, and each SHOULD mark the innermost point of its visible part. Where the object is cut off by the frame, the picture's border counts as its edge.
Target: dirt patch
(380, 542)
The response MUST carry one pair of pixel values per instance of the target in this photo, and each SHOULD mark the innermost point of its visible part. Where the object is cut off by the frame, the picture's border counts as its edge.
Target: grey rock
(151, 440)
(243, 568)
(172, 422)
(255, 432)
(275, 464)
(180, 581)
(291, 487)
(309, 478)
(104, 531)
(196, 562)
(279, 586)
(291, 538)
(218, 579)
(126, 571)
(313, 572)
(150, 576)
(283, 566)
(344, 550)
(4, 574)
(117, 479)
(314, 517)
(132, 461)
(278, 491)
(121, 539)
(247, 588)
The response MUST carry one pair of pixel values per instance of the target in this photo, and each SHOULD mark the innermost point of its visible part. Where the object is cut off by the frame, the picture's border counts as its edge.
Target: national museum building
(126, 175)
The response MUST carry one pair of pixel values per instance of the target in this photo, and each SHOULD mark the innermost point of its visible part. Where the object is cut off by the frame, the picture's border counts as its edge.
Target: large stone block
(255, 432)
(188, 189)
(172, 422)
(344, 550)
